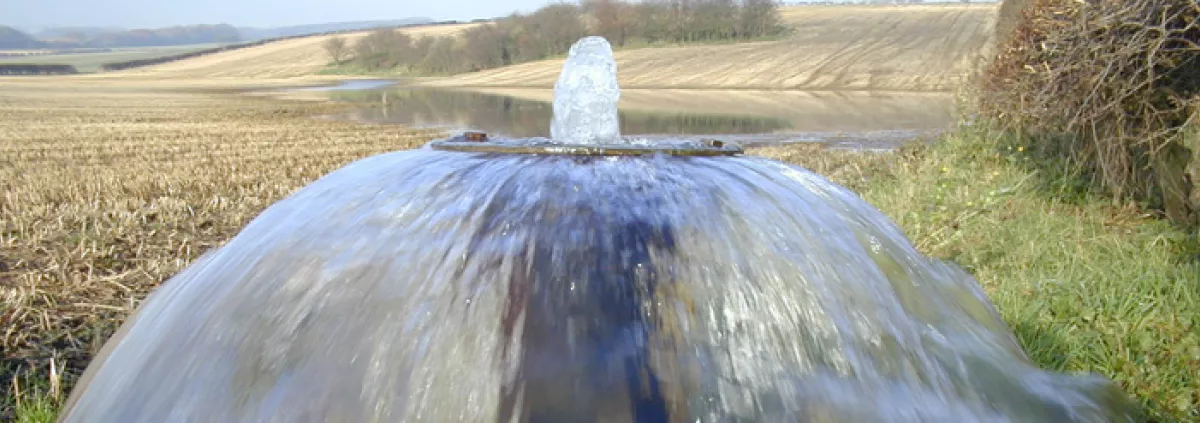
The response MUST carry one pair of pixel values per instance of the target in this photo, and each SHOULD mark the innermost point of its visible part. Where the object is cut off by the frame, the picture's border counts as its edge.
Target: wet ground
(858, 120)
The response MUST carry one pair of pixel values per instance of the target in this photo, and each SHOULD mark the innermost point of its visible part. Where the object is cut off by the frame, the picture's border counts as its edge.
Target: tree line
(35, 69)
(129, 64)
(551, 30)
(168, 36)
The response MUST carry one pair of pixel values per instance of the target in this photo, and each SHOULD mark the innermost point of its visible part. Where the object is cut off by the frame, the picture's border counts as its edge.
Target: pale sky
(33, 14)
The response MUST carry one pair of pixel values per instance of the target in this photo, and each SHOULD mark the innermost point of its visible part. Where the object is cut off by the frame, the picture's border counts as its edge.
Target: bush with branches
(337, 48)
(1109, 85)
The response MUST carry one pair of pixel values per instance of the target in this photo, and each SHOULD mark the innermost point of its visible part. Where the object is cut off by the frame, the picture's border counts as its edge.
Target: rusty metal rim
(717, 149)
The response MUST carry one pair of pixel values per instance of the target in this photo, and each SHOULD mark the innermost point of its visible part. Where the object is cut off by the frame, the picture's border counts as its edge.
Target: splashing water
(436, 286)
(586, 96)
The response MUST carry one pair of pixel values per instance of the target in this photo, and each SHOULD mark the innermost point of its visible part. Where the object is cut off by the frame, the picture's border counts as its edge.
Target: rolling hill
(251, 34)
(115, 37)
(12, 38)
(909, 47)
(851, 47)
(281, 59)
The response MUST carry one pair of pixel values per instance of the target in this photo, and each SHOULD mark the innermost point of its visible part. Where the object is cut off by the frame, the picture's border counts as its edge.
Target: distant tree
(524, 42)
(559, 26)
(551, 31)
(610, 19)
(385, 48)
(714, 19)
(421, 47)
(173, 35)
(439, 57)
(759, 18)
(337, 48)
(487, 46)
(653, 19)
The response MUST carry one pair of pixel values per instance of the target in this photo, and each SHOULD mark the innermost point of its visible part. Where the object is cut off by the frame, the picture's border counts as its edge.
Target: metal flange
(478, 142)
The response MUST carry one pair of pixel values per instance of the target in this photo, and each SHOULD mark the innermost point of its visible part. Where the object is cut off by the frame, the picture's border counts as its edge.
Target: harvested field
(91, 61)
(905, 48)
(910, 48)
(109, 191)
(112, 188)
(98, 83)
(281, 59)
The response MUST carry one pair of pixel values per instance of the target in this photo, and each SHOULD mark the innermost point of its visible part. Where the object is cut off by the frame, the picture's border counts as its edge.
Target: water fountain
(582, 278)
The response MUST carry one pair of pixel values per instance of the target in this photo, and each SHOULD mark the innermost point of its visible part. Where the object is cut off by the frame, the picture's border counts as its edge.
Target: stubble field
(108, 192)
(113, 183)
(886, 48)
(282, 59)
(91, 61)
(896, 48)
(111, 189)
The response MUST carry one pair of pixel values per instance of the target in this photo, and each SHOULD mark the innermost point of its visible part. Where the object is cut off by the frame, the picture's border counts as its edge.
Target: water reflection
(750, 117)
(523, 117)
(351, 85)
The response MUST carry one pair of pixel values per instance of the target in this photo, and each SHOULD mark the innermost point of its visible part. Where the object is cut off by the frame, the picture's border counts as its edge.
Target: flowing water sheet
(437, 286)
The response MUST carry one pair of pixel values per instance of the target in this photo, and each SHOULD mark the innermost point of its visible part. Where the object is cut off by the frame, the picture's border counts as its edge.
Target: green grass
(37, 409)
(1086, 285)
(91, 61)
(37, 399)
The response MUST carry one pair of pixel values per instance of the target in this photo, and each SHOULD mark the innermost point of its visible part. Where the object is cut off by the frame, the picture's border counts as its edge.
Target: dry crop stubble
(847, 47)
(109, 192)
(282, 59)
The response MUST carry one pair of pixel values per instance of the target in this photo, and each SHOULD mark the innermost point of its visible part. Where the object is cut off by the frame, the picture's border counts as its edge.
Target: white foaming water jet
(440, 286)
(586, 96)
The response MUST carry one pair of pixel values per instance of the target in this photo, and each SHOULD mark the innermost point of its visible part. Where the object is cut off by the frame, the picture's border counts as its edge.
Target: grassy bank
(110, 192)
(1086, 286)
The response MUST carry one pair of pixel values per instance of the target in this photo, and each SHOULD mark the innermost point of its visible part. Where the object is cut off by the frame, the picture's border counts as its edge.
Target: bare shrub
(384, 49)
(439, 58)
(759, 18)
(487, 46)
(1109, 85)
(559, 25)
(611, 19)
(337, 49)
(551, 30)
(1010, 16)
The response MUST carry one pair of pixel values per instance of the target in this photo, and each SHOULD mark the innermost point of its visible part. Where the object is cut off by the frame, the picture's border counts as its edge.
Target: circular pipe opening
(478, 142)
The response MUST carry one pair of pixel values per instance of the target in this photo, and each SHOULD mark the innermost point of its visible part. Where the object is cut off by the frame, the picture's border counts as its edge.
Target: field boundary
(36, 69)
(137, 63)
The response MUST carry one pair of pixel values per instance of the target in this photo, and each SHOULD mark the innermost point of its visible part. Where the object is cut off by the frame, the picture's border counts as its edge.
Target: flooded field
(752, 117)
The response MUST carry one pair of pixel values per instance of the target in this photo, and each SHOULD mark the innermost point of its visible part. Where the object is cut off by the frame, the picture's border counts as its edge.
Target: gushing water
(436, 286)
(586, 96)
